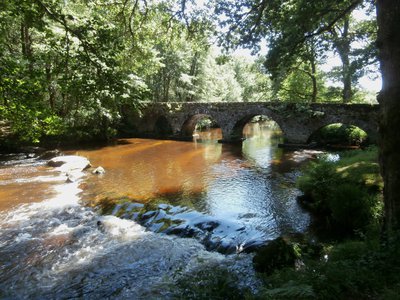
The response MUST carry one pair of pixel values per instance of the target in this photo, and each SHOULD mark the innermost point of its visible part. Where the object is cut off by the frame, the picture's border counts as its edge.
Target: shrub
(352, 208)
(317, 183)
(340, 134)
(275, 255)
(344, 194)
(218, 283)
(353, 270)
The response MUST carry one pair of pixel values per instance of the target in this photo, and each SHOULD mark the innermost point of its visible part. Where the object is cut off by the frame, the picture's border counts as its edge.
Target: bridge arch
(240, 121)
(189, 126)
(347, 133)
(297, 124)
(237, 132)
(370, 128)
(156, 123)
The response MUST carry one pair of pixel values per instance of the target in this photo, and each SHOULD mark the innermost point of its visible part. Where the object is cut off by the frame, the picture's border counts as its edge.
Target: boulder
(69, 163)
(73, 176)
(275, 255)
(55, 164)
(72, 165)
(50, 154)
(99, 170)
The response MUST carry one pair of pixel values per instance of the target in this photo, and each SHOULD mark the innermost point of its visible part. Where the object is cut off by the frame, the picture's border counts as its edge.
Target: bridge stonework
(297, 121)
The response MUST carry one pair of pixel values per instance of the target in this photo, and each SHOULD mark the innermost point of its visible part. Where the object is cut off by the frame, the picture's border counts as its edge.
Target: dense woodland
(68, 67)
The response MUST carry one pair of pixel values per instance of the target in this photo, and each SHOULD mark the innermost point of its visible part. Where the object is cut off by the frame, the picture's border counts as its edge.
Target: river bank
(59, 248)
(69, 244)
(57, 244)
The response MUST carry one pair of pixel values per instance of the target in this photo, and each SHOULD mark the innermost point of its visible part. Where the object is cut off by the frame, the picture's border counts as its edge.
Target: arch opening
(340, 135)
(201, 127)
(259, 127)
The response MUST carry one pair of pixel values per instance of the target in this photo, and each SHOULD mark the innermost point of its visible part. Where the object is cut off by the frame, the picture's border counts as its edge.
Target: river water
(162, 212)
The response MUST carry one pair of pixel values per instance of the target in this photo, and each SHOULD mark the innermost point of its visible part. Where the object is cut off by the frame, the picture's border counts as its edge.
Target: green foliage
(352, 270)
(299, 35)
(345, 194)
(231, 79)
(317, 183)
(28, 125)
(275, 255)
(219, 283)
(290, 290)
(352, 207)
(340, 134)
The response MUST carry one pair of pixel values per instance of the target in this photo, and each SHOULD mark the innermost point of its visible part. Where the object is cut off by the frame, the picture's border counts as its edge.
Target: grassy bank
(345, 196)
(355, 262)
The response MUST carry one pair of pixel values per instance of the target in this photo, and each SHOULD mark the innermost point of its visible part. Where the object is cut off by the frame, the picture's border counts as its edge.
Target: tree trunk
(342, 45)
(314, 80)
(347, 91)
(50, 87)
(26, 43)
(388, 12)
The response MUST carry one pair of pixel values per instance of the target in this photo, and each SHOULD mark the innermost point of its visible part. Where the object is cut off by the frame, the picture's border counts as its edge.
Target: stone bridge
(177, 120)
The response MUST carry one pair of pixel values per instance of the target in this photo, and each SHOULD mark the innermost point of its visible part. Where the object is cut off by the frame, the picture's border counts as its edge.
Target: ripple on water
(60, 249)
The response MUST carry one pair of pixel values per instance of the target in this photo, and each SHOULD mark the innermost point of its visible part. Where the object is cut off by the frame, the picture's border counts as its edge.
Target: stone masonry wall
(297, 121)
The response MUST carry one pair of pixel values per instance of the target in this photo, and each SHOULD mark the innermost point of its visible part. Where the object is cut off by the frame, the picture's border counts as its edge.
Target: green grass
(346, 195)
(360, 266)
(361, 167)
(352, 270)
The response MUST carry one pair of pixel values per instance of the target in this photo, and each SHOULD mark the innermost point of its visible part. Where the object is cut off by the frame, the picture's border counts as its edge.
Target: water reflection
(227, 196)
(247, 184)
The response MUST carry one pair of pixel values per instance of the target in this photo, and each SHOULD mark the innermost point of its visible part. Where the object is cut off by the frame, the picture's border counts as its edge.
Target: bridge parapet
(297, 121)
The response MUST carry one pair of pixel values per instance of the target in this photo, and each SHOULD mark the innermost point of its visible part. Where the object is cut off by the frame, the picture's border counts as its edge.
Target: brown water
(219, 197)
(24, 180)
(144, 169)
(249, 186)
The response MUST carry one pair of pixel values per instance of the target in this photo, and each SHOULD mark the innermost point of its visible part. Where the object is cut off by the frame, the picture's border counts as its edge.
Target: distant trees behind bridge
(68, 67)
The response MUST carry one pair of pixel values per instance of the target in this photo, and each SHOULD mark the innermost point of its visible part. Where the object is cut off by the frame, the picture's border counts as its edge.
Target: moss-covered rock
(277, 254)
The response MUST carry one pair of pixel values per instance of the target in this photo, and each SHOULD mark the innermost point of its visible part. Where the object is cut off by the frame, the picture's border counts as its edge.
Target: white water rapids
(59, 249)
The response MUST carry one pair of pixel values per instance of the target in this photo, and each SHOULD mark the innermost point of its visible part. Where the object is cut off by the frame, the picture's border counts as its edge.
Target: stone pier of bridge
(177, 120)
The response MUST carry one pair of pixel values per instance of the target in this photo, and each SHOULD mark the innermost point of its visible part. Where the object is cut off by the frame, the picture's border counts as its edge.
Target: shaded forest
(68, 67)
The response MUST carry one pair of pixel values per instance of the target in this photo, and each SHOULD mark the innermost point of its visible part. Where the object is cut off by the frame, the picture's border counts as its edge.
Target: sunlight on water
(227, 198)
(60, 249)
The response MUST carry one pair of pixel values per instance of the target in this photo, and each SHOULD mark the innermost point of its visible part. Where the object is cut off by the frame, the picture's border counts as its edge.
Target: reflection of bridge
(297, 121)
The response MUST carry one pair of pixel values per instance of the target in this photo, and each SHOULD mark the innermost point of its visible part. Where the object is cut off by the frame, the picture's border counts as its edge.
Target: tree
(290, 27)
(388, 12)
(228, 78)
(343, 37)
(217, 81)
(73, 65)
(250, 20)
(300, 81)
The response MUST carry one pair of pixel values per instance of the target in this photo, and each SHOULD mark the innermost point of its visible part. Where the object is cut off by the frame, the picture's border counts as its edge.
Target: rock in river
(72, 165)
(99, 170)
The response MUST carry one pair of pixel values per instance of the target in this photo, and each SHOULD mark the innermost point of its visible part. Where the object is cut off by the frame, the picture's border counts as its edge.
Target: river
(163, 212)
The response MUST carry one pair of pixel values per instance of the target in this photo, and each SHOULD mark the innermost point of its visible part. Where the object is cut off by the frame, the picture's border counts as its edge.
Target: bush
(352, 208)
(29, 126)
(345, 194)
(275, 255)
(215, 283)
(340, 134)
(352, 270)
(317, 183)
